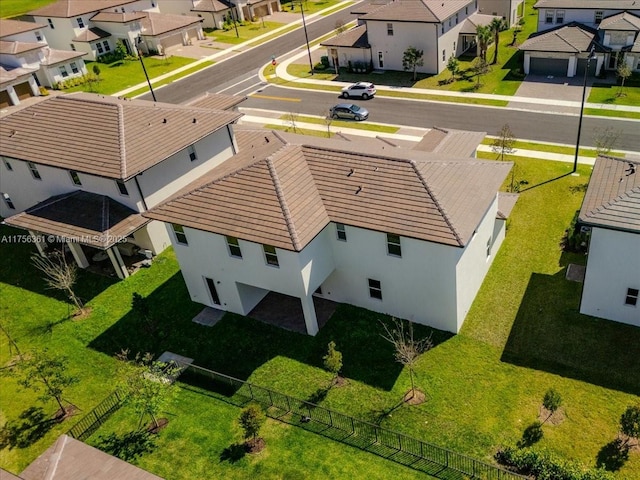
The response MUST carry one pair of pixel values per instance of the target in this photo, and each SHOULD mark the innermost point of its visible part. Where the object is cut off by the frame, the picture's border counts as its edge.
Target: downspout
(144, 204)
(437, 49)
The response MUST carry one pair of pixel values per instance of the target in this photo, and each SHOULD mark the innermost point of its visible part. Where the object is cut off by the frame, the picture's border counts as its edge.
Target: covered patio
(82, 219)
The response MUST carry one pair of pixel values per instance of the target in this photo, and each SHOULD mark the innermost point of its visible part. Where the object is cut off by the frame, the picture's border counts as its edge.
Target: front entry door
(211, 285)
(380, 60)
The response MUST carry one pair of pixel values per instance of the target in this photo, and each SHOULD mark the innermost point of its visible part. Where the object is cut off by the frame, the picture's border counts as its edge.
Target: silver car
(349, 111)
(364, 90)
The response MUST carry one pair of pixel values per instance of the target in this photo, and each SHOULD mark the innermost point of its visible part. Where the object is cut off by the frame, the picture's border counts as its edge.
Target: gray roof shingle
(624, 21)
(10, 27)
(589, 4)
(571, 38)
(422, 11)
(355, 38)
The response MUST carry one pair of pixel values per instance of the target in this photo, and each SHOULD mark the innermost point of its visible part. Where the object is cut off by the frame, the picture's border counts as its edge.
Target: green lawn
(615, 94)
(14, 8)
(309, 6)
(551, 148)
(245, 32)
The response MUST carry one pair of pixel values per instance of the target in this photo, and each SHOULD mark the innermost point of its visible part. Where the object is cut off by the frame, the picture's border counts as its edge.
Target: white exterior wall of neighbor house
(29, 37)
(48, 76)
(584, 16)
(507, 9)
(120, 31)
(183, 7)
(613, 266)
(30, 59)
(353, 55)
(164, 179)
(475, 263)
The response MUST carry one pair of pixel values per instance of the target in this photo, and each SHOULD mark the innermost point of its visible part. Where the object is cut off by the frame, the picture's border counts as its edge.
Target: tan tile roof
(217, 101)
(367, 7)
(106, 136)
(14, 48)
(74, 8)
(471, 23)
(75, 460)
(423, 11)
(588, 4)
(572, 38)
(10, 27)
(88, 218)
(210, 6)
(53, 56)
(7, 76)
(355, 38)
(454, 143)
(91, 34)
(289, 194)
(159, 23)
(506, 202)
(613, 196)
(117, 17)
(624, 21)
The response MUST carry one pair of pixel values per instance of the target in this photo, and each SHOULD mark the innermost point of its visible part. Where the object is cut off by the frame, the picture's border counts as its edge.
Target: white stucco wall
(581, 15)
(613, 266)
(507, 9)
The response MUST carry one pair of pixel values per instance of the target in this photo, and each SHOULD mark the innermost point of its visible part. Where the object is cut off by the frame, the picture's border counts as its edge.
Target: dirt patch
(61, 415)
(547, 418)
(255, 446)
(632, 444)
(339, 381)
(81, 314)
(414, 397)
(162, 423)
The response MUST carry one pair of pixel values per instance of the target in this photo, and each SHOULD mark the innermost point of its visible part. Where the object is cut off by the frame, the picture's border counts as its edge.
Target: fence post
(270, 397)
(446, 458)
(353, 427)
(375, 430)
(288, 404)
(399, 441)
(330, 417)
(250, 391)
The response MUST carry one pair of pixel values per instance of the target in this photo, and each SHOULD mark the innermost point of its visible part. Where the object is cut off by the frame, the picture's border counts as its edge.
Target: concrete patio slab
(209, 316)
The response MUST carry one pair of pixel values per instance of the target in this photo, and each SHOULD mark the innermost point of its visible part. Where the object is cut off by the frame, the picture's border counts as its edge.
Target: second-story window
(7, 201)
(100, 49)
(75, 178)
(270, 255)
(80, 22)
(122, 188)
(38, 36)
(598, 16)
(34, 171)
(341, 232)
(548, 16)
(50, 24)
(393, 245)
(7, 164)
(192, 153)
(390, 29)
(559, 16)
(73, 47)
(234, 247)
(178, 231)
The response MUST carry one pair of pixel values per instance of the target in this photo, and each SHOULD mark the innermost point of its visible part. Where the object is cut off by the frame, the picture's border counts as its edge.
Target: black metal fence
(367, 436)
(96, 417)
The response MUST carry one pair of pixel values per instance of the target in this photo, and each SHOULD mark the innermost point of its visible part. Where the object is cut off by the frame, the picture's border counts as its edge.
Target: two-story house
(84, 167)
(214, 13)
(569, 30)
(397, 231)
(611, 207)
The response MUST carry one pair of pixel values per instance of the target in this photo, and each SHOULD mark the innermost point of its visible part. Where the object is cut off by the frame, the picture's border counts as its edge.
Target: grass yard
(551, 148)
(309, 6)
(245, 32)
(121, 75)
(14, 8)
(615, 94)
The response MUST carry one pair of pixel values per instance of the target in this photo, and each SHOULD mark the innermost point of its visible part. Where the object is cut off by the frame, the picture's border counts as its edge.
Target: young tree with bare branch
(59, 275)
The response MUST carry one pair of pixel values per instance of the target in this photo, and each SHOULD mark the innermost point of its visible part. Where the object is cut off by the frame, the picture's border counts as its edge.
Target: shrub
(319, 66)
(552, 400)
(575, 240)
(43, 91)
(325, 61)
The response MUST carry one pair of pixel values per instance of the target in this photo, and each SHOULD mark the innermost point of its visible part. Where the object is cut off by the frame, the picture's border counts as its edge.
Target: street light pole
(144, 69)
(306, 36)
(584, 92)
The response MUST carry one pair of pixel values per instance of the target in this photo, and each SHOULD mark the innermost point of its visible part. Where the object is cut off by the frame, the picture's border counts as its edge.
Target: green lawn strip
(341, 123)
(203, 440)
(310, 6)
(610, 94)
(611, 113)
(14, 8)
(171, 79)
(545, 147)
(122, 75)
(301, 131)
(329, 11)
(246, 32)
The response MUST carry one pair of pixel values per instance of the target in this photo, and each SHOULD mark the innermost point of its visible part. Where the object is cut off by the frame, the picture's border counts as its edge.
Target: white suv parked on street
(364, 90)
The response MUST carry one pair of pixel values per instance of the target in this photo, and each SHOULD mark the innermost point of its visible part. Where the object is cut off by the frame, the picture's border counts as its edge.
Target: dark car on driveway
(349, 111)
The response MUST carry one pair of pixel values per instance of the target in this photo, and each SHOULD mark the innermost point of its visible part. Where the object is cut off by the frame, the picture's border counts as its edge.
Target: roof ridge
(436, 202)
(123, 149)
(281, 198)
(556, 33)
(51, 201)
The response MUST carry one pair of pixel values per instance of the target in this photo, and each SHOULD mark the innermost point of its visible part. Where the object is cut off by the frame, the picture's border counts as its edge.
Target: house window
(375, 289)
(466, 10)
(560, 16)
(63, 71)
(100, 49)
(8, 201)
(442, 28)
(122, 188)
(454, 48)
(178, 231)
(489, 247)
(444, 55)
(341, 232)
(270, 255)
(393, 245)
(34, 171)
(632, 297)
(456, 18)
(234, 247)
(7, 164)
(74, 67)
(599, 14)
(390, 29)
(50, 24)
(38, 36)
(107, 48)
(548, 16)
(449, 21)
(80, 22)
(192, 153)
(73, 47)
(75, 178)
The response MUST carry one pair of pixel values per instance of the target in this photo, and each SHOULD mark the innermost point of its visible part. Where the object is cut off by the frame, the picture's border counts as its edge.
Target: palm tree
(483, 36)
(494, 27)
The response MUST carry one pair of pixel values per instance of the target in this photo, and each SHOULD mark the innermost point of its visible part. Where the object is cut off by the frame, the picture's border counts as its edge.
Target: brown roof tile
(423, 11)
(105, 136)
(506, 203)
(588, 4)
(117, 17)
(91, 34)
(355, 38)
(88, 218)
(217, 101)
(454, 143)
(74, 8)
(571, 38)
(10, 27)
(53, 56)
(288, 195)
(159, 23)
(210, 6)
(613, 196)
(624, 21)
(14, 48)
(7, 76)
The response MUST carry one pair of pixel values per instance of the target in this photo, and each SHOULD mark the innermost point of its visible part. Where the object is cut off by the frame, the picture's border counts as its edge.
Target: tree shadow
(613, 455)
(29, 427)
(233, 453)
(378, 416)
(128, 446)
(545, 182)
(531, 435)
(550, 334)
(319, 395)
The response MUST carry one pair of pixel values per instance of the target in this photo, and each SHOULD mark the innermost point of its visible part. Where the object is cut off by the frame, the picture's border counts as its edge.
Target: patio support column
(41, 246)
(78, 254)
(118, 264)
(527, 63)
(309, 311)
(572, 67)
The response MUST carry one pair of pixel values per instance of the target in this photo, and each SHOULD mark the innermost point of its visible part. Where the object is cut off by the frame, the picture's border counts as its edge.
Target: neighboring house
(611, 207)
(511, 11)
(83, 166)
(96, 26)
(567, 29)
(393, 230)
(439, 29)
(215, 12)
(27, 61)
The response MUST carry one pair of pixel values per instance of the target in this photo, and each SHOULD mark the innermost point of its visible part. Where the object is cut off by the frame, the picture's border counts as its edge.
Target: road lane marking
(284, 99)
